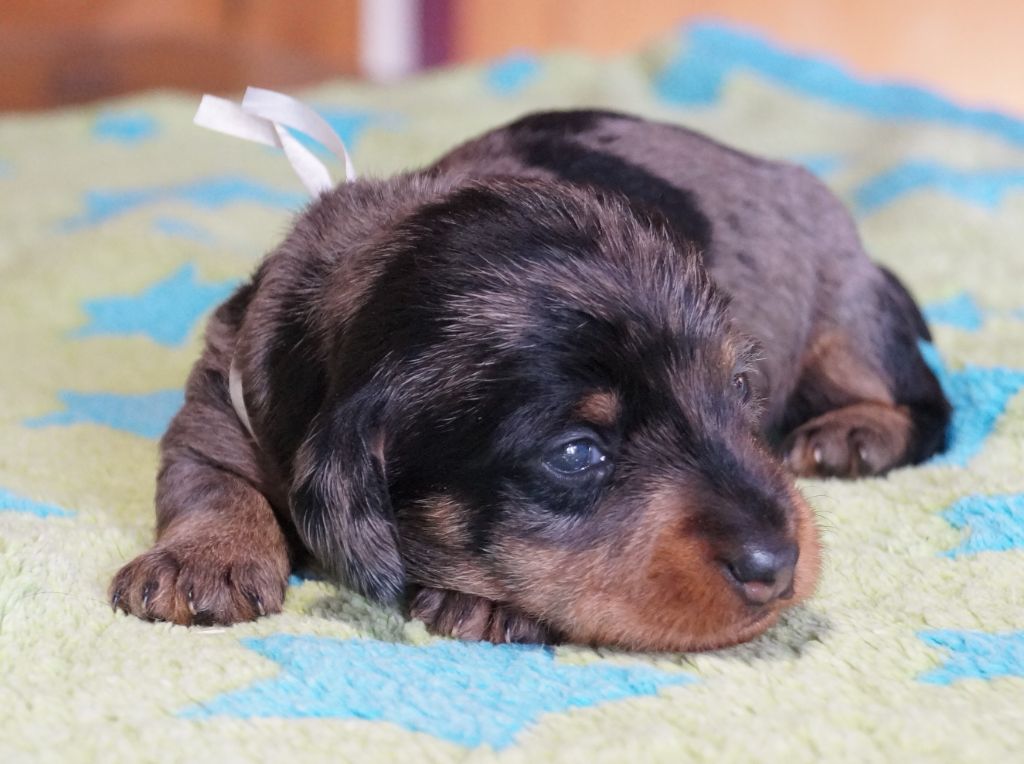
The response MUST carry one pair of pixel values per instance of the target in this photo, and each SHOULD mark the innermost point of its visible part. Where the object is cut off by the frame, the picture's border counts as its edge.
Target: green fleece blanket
(122, 225)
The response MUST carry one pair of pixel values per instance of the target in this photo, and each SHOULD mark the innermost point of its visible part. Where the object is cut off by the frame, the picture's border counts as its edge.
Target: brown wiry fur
(434, 546)
(715, 275)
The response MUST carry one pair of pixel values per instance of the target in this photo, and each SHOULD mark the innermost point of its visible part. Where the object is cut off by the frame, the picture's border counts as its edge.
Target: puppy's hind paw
(856, 441)
(449, 613)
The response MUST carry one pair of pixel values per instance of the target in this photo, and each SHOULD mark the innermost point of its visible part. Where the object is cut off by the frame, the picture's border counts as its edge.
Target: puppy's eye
(575, 457)
(741, 385)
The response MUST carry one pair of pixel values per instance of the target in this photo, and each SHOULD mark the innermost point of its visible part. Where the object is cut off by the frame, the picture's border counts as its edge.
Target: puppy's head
(541, 401)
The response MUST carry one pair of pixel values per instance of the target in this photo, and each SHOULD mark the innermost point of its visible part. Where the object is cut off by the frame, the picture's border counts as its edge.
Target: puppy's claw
(115, 600)
(857, 441)
(469, 617)
(189, 589)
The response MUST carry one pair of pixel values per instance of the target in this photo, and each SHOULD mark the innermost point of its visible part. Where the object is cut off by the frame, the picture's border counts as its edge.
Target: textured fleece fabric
(122, 225)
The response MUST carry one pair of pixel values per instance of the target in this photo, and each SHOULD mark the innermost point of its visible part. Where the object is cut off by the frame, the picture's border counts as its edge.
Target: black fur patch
(648, 194)
(746, 260)
(297, 381)
(897, 301)
(341, 505)
(566, 123)
(913, 383)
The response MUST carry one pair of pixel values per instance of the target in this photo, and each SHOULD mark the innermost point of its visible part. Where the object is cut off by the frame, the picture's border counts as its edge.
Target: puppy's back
(773, 236)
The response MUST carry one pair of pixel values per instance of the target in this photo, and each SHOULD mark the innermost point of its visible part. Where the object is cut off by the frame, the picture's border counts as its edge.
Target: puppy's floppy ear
(340, 503)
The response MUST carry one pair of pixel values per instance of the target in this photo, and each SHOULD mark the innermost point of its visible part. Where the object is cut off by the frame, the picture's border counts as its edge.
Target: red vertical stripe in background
(435, 32)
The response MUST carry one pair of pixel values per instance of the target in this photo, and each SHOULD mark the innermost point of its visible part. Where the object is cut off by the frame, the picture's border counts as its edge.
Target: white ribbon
(237, 393)
(263, 117)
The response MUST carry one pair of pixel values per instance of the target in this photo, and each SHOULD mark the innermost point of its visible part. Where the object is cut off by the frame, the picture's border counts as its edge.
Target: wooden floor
(57, 52)
(54, 52)
(971, 50)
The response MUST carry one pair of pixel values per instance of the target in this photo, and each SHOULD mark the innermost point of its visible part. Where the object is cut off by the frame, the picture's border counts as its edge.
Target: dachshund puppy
(555, 387)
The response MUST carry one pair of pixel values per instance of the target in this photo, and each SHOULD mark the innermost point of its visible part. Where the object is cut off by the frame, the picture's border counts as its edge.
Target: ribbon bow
(264, 116)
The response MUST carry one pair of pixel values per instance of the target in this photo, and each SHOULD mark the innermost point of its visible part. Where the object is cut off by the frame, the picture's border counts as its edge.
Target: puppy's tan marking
(843, 372)
(657, 587)
(435, 545)
(600, 408)
(808, 536)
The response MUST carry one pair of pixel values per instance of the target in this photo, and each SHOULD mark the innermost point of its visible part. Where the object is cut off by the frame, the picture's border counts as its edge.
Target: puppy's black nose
(762, 572)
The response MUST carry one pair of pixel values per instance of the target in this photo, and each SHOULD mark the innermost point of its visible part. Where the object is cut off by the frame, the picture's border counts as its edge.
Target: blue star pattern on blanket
(172, 226)
(470, 693)
(960, 311)
(11, 502)
(985, 188)
(349, 124)
(129, 127)
(299, 577)
(711, 53)
(979, 397)
(975, 655)
(512, 74)
(146, 415)
(995, 523)
(821, 165)
(206, 194)
(166, 311)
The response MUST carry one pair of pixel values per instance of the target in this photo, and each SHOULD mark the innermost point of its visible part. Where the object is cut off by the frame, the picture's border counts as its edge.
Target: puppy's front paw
(449, 613)
(199, 585)
(856, 441)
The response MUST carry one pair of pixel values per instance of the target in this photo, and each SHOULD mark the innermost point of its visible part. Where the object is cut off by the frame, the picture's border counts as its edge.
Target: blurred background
(57, 52)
